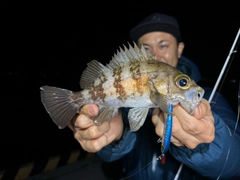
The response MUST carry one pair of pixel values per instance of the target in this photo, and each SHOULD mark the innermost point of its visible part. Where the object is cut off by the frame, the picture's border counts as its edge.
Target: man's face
(163, 46)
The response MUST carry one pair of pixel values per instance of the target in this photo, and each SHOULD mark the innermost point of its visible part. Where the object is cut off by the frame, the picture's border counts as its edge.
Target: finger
(158, 121)
(187, 122)
(203, 109)
(90, 110)
(72, 122)
(204, 122)
(190, 130)
(155, 115)
(83, 122)
(176, 141)
(86, 117)
(93, 138)
(87, 114)
(182, 137)
(92, 132)
(94, 145)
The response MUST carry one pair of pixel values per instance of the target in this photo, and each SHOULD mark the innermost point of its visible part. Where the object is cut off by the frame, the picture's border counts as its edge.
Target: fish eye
(183, 81)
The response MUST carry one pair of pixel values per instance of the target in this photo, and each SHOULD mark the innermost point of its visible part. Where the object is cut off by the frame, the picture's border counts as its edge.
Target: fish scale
(131, 79)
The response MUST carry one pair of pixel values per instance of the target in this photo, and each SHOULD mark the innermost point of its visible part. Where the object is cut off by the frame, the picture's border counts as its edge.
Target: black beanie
(156, 22)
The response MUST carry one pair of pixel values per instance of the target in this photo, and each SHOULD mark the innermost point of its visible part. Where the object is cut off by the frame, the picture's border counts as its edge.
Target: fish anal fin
(137, 117)
(105, 114)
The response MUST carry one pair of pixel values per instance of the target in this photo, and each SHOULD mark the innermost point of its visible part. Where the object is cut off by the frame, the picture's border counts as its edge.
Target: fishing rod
(224, 66)
(229, 149)
(214, 90)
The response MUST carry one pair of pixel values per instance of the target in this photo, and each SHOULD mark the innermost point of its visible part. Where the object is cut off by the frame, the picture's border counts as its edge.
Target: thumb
(202, 108)
(155, 115)
(90, 110)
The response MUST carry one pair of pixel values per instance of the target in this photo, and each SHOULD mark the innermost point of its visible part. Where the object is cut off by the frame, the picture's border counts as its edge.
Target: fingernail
(90, 111)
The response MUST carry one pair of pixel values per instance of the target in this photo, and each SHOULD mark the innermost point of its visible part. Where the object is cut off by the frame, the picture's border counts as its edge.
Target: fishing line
(212, 94)
(234, 132)
(165, 140)
(141, 168)
(210, 100)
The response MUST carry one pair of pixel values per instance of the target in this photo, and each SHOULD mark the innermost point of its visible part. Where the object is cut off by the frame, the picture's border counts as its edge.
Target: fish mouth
(193, 98)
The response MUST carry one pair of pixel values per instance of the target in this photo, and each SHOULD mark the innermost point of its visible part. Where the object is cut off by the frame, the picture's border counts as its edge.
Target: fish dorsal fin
(93, 71)
(131, 54)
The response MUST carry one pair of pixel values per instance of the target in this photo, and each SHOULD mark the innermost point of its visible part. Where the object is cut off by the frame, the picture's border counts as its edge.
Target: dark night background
(50, 43)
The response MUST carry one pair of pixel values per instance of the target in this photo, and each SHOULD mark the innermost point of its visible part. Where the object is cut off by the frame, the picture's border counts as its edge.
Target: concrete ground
(84, 169)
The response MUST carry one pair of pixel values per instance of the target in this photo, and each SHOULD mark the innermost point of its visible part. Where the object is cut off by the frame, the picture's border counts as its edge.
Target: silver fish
(131, 79)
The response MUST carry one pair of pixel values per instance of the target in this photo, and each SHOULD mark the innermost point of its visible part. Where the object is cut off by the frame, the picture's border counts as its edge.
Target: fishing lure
(167, 132)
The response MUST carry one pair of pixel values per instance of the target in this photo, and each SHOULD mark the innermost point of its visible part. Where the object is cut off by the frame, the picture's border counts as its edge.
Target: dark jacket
(137, 152)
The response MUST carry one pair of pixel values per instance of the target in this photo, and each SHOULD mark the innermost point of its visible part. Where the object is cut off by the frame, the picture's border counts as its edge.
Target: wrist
(125, 125)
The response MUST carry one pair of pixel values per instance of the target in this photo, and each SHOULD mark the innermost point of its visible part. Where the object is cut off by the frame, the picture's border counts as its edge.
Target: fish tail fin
(59, 105)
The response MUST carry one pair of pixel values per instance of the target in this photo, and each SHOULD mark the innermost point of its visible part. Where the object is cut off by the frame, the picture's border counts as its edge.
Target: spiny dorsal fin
(96, 69)
(130, 54)
(135, 51)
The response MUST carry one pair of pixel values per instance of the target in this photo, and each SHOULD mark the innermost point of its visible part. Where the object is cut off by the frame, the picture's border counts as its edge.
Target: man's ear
(181, 46)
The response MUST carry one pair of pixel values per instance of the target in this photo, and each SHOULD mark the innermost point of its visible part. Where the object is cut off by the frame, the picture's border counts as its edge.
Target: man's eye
(163, 46)
(148, 50)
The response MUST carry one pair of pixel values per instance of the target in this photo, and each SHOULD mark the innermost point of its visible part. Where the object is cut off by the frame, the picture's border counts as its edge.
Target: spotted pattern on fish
(135, 69)
(76, 97)
(97, 91)
(131, 79)
(120, 90)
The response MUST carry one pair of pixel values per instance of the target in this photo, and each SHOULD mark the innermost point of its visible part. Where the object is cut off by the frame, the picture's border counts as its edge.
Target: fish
(132, 79)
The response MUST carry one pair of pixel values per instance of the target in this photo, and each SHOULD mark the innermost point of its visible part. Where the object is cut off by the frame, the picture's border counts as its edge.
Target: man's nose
(157, 56)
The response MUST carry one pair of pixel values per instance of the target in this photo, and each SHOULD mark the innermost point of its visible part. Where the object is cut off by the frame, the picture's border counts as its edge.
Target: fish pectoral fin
(160, 100)
(137, 117)
(105, 114)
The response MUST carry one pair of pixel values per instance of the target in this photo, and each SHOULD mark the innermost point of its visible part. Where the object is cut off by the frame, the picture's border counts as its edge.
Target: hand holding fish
(188, 130)
(91, 137)
(133, 79)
